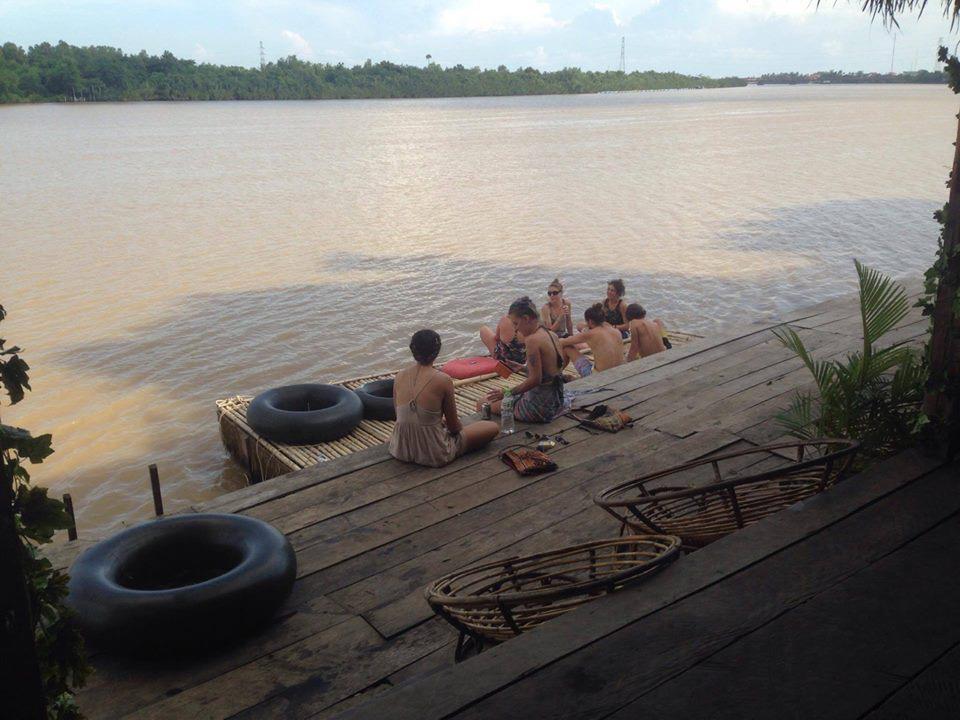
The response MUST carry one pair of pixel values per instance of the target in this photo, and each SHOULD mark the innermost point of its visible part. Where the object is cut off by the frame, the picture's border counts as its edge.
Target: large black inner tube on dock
(188, 583)
(305, 414)
(377, 399)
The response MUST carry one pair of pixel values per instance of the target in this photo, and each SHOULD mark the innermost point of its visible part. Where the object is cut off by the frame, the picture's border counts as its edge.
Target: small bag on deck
(527, 461)
(604, 417)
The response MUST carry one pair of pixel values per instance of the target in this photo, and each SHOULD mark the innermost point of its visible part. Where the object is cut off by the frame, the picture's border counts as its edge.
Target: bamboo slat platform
(263, 459)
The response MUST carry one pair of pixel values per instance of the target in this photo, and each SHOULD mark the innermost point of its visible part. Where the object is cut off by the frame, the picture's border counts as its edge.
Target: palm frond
(822, 371)
(889, 10)
(883, 361)
(799, 419)
(883, 304)
(907, 383)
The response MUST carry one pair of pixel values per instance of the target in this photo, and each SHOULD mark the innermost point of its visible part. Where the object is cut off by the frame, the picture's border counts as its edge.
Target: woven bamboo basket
(701, 514)
(496, 601)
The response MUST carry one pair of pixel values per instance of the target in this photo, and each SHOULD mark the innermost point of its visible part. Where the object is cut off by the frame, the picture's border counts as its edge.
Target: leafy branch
(47, 650)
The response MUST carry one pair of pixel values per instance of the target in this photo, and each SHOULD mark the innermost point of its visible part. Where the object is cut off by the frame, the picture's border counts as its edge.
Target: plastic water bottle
(506, 414)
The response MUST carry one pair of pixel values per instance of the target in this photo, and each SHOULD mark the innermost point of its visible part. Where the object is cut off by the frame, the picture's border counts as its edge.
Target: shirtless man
(646, 336)
(539, 398)
(602, 337)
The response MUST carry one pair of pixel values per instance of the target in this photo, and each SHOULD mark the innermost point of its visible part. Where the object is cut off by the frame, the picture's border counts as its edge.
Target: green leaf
(822, 371)
(34, 449)
(883, 304)
(40, 515)
(14, 377)
(798, 419)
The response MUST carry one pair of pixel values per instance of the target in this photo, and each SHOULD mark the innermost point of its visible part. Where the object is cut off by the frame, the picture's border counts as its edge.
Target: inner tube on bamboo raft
(377, 399)
(305, 414)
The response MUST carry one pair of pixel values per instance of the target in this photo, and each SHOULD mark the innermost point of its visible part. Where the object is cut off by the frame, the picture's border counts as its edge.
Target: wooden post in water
(68, 504)
(155, 486)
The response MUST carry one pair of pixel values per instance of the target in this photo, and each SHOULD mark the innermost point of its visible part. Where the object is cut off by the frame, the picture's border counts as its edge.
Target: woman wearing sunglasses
(555, 315)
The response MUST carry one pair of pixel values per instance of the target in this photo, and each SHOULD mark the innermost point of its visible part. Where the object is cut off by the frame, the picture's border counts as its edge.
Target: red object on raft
(468, 367)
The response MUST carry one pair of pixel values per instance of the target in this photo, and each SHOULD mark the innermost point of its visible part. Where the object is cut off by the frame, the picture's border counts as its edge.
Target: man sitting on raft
(604, 340)
(424, 400)
(646, 336)
(539, 398)
(506, 344)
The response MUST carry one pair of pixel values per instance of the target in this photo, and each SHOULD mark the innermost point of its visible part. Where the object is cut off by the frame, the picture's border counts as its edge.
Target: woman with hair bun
(540, 396)
(428, 430)
(556, 314)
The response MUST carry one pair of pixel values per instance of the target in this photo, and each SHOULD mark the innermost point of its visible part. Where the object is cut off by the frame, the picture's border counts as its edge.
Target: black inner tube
(377, 398)
(301, 405)
(305, 414)
(383, 391)
(177, 563)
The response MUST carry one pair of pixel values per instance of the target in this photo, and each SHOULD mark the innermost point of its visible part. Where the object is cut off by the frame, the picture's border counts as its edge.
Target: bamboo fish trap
(499, 600)
(699, 515)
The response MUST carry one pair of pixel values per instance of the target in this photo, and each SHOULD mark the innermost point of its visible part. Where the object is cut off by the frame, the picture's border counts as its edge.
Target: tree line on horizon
(839, 76)
(64, 72)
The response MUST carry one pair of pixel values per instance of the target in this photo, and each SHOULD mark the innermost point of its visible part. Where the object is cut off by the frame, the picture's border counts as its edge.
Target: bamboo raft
(264, 459)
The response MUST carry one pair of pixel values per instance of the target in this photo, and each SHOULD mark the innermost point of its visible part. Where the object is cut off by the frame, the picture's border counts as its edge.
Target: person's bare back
(646, 338)
(607, 346)
(546, 346)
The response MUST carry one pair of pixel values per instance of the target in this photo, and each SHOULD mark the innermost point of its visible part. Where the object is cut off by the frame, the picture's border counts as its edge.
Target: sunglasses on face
(553, 292)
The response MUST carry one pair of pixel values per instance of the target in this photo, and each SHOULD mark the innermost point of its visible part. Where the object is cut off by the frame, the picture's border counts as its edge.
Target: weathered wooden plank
(932, 693)
(360, 504)
(422, 529)
(121, 685)
(403, 605)
(761, 403)
(393, 600)
(723, 377)
(684, 422)
(689, 632)
(839, 653)
(286, 484)
(439, 659)
(305, 697)
(446, 692)
(317, 672)
(720, 391)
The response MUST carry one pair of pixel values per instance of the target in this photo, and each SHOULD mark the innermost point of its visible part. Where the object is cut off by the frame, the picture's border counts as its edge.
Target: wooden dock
(735, 624)
(263, 459)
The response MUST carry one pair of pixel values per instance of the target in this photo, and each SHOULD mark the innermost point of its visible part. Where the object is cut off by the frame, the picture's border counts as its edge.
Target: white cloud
(798, 9)
(481, 16)
(299, 46)
(622, 11)
(200, 53)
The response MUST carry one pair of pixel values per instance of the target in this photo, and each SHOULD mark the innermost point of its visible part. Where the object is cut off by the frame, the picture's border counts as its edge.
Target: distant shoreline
(67, 73)
(68, 101)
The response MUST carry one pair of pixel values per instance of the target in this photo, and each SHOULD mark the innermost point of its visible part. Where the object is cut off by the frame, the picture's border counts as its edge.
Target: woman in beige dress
(428, 430)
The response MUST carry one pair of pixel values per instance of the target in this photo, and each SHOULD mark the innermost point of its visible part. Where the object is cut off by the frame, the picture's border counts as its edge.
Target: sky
(710, 37)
